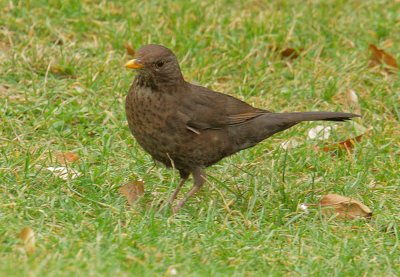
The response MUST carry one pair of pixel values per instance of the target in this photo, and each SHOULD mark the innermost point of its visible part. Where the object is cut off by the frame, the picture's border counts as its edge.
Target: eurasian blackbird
(190, 127)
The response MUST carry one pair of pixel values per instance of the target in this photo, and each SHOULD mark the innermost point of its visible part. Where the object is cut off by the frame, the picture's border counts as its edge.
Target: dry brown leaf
(343, 207)
(67, 157)
(290, 53)
(132, 190)
(347, 144)
(129, 49)
(28, 238)
(379, 56)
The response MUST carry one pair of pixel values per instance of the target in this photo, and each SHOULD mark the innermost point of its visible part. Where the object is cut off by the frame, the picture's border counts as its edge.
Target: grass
(62, 90)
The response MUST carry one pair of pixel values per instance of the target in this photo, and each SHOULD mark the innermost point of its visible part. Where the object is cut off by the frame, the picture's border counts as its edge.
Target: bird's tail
(276, 122)
(297, 117)
(264, 126)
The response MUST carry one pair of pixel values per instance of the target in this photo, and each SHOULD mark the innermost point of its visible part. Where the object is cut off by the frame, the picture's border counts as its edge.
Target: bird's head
(157, 64)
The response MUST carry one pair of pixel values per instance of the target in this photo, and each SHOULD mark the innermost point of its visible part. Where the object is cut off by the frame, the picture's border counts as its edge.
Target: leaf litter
(288, 53)
(341, 207)
(67, 157)
(347, 144)
(132, 190)
(381, 57)
(64, 173)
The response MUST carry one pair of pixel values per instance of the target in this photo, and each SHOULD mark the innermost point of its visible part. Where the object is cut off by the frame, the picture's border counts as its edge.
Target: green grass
(62, 89)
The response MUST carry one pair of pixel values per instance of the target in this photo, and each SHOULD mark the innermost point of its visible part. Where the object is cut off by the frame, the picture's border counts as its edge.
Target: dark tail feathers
(255, 130)
(313, 116)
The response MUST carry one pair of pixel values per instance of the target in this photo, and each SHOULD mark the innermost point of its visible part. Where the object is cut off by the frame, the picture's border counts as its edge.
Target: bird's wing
(207, 109)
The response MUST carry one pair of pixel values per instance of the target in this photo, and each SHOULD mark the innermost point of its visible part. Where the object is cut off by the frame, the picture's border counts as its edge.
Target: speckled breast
(148, 114)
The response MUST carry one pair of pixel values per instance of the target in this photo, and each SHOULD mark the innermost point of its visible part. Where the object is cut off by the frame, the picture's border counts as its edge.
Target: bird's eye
(159, 64)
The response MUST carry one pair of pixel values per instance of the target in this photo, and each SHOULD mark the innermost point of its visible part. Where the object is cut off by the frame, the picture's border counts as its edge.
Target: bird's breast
(152, 119)
(145, 110)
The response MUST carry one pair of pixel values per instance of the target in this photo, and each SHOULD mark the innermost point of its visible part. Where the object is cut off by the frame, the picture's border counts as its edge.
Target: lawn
(63, 87)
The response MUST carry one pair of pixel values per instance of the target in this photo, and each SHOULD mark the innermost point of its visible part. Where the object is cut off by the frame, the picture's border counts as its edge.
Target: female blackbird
(190, 127)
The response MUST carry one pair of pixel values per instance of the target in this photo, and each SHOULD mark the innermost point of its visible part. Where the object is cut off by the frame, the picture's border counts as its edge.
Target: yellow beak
(134, 64)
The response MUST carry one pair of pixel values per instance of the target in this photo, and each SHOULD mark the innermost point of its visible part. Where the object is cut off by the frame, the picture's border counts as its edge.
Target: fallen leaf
(129, 49)
(67, 157)
(343, 207)
(64, 173)
(132, 190)
(379, 57)
(28, 238)
(289, 53)
(320, 132)
(347, 144)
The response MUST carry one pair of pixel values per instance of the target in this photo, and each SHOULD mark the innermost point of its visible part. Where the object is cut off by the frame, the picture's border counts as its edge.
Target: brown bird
(190, 127)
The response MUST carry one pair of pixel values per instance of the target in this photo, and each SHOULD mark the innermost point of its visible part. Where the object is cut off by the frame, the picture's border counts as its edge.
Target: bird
(189, 127)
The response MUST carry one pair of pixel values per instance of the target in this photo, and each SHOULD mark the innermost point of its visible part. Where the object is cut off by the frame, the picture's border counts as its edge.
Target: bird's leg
(184, 177)
(198, 180)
